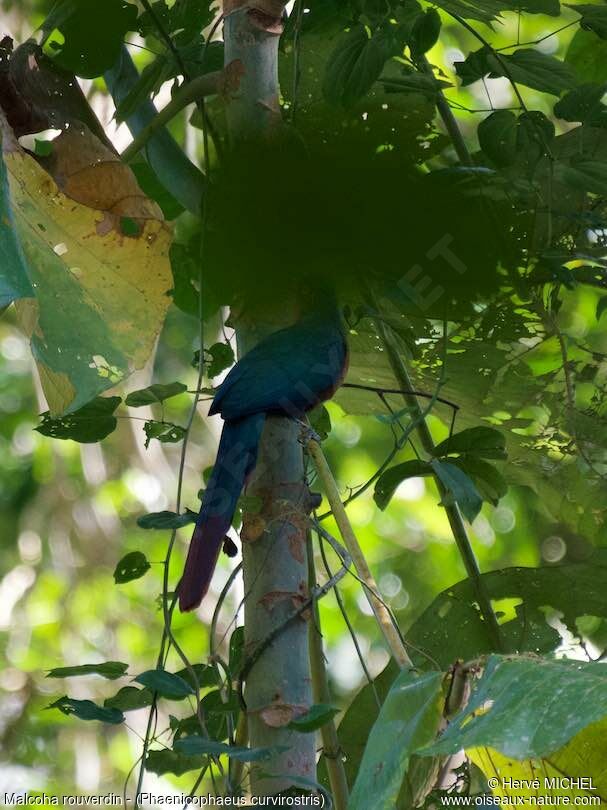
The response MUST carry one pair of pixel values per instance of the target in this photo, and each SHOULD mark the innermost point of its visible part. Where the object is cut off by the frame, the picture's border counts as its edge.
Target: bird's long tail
(236, 458)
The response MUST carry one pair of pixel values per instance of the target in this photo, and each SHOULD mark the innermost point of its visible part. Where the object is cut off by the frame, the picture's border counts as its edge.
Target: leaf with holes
(87, 425)
(87, 710)
(69, 219)
(132, 566)
(165, 432)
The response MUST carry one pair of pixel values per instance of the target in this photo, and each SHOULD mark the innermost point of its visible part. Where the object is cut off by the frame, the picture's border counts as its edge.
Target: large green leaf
(355, 65)
(524, 599)
(527, 707)
(85, 36)
(14, 281)
(525, 66)
(594, 17)
(101, 295)
(409, 719)
(587, 55)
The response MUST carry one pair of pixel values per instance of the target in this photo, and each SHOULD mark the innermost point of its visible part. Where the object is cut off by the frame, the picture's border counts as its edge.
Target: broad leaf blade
(408, 720)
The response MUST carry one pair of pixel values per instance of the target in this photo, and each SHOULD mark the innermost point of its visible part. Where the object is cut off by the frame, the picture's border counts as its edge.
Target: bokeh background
(68, 513)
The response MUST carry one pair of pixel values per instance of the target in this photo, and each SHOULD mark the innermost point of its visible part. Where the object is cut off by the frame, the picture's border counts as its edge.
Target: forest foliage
(444, 166)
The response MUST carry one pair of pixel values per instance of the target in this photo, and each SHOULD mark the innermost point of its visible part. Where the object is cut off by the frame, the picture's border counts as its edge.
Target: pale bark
(278, 686)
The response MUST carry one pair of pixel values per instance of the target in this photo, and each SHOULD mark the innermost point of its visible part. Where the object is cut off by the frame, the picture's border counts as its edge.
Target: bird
(288, 373)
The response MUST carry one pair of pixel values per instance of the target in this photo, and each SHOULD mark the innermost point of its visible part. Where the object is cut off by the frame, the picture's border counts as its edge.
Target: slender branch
(200, 87)
(382, 615)
(408, 391)
(446, 113)
(453, 514)
(322, 694)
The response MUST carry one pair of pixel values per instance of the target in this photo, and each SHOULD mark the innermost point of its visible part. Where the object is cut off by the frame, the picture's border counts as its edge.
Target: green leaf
(460, 489)
(594, 17)
(583, 104)
(154, 393)
(132, 566)
(484, 10)
(129, 698)
(149, 81)
(414, 81)
(200, 745)
(355, 726)
(520, 597)
(165, 432)
(14, 280)
(537, 70)
(587, 55)
(601, 307)
(222, 357)
(87, 425)
(165, 761)
(389, 481)
(320, 421)
(316, 716)
(425, 32)
(166, 520)
(86, 36)
(355, 65)
(206, 675)
(110, 670)
(525, 66)
(112, 291)
(166, 684)
(497, 135)
(236, 655)
(488, 479)
(409, 719)
(588, 176)
(486, 442)
(530, 707)
(87, 710)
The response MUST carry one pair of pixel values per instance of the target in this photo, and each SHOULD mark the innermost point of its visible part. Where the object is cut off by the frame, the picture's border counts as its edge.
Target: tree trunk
(278, 686)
